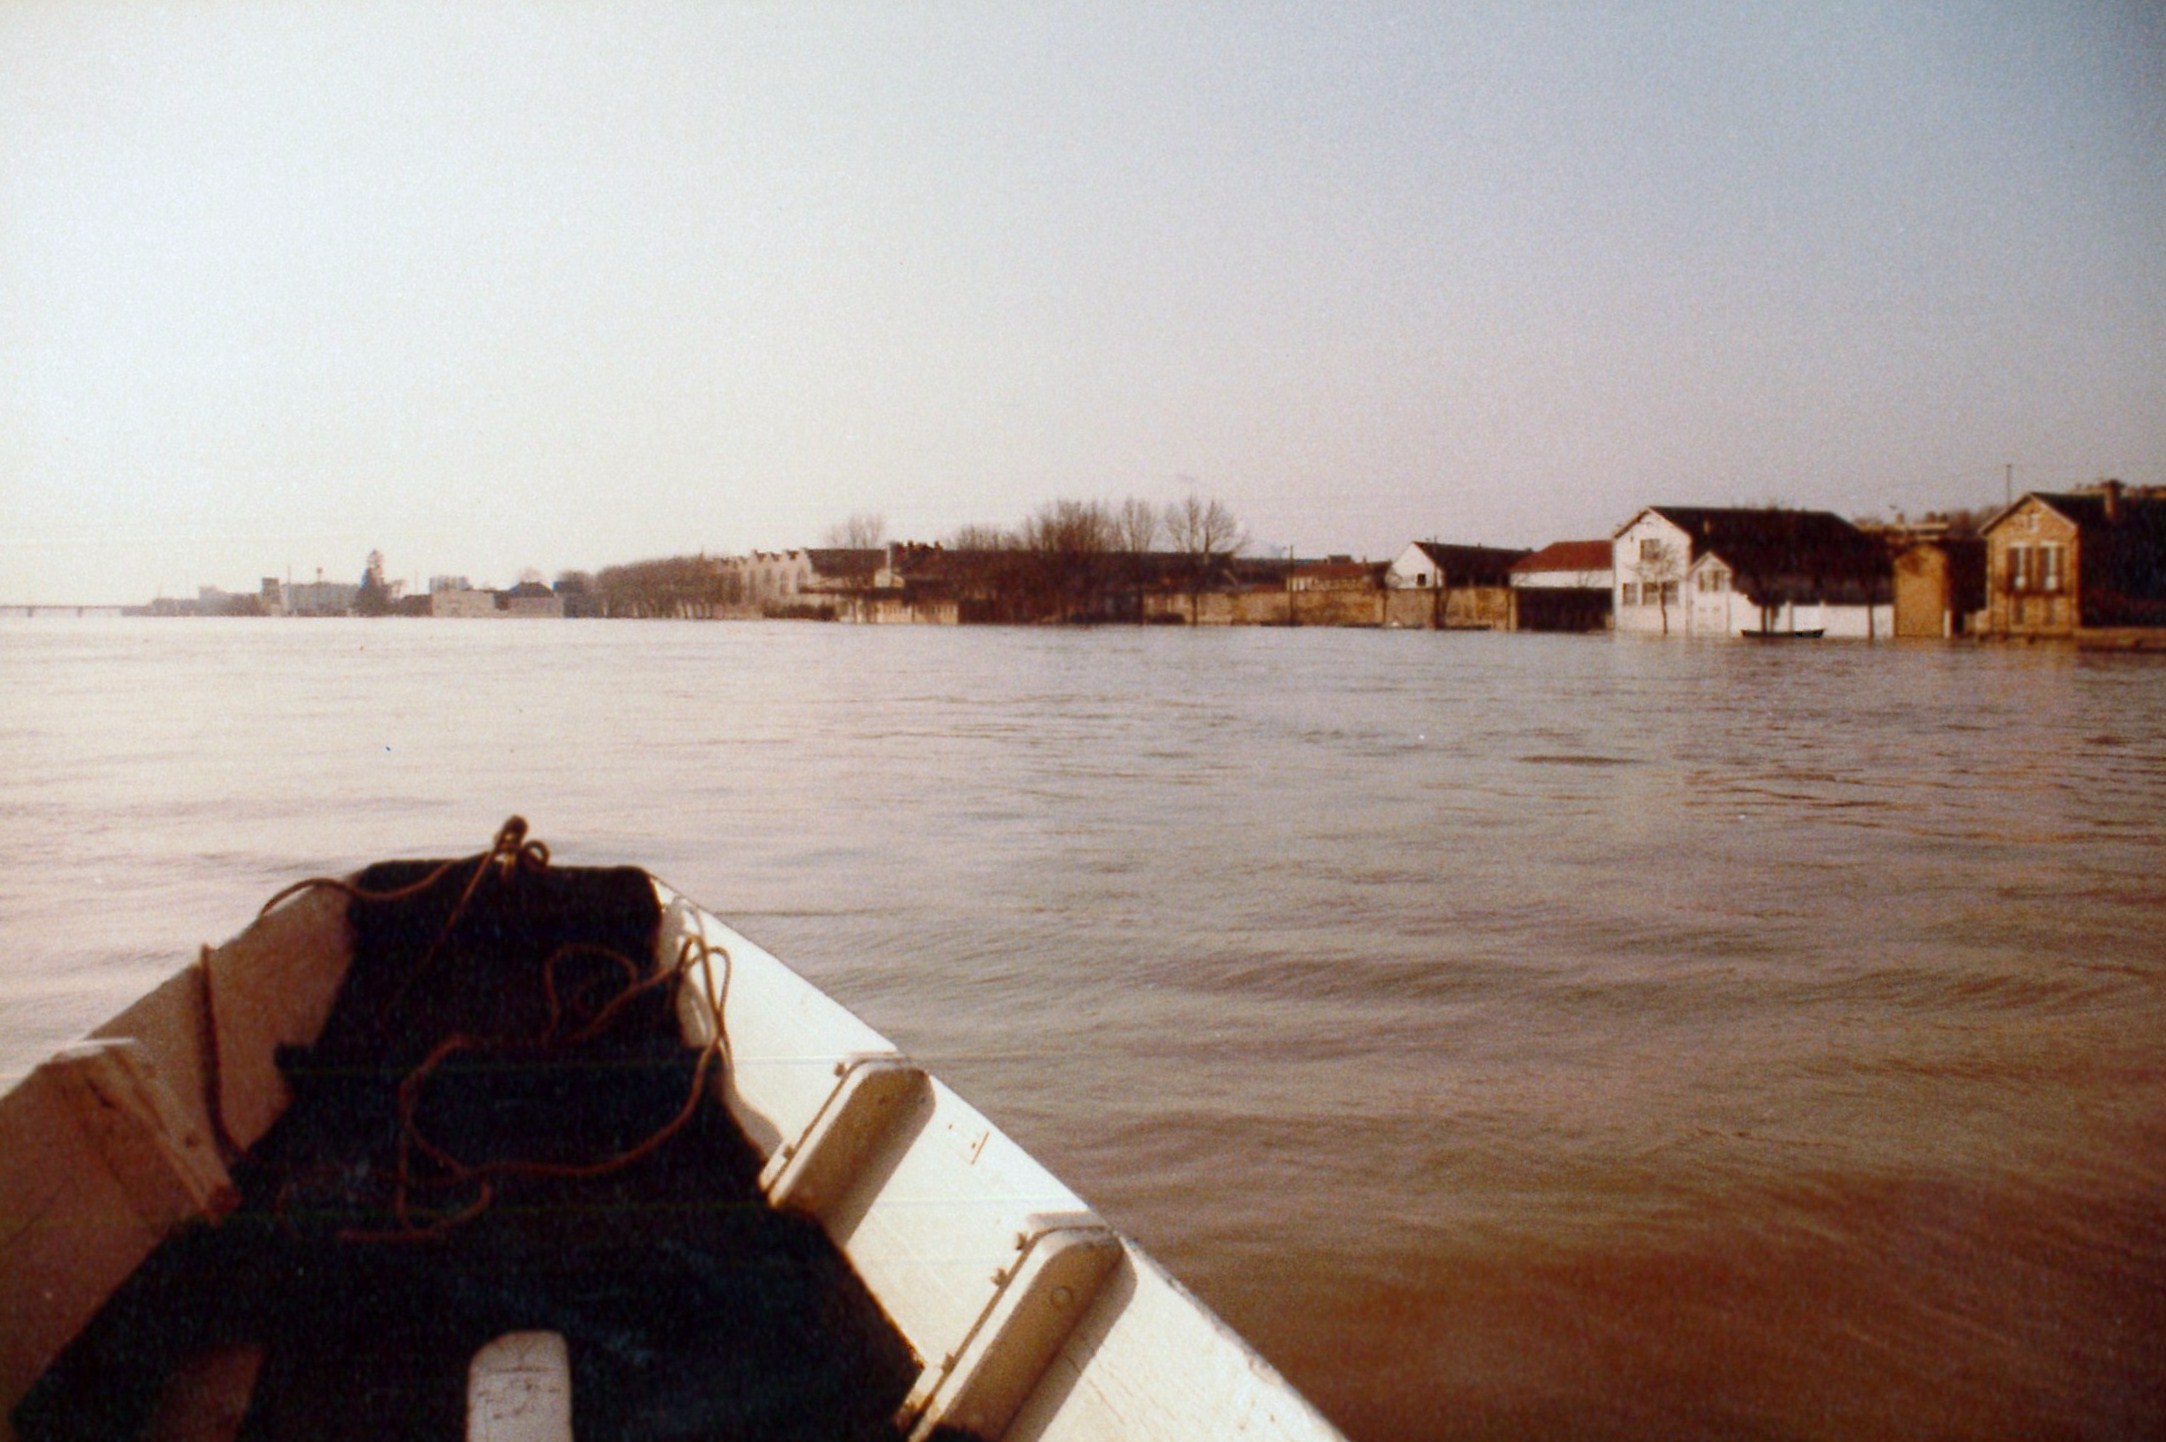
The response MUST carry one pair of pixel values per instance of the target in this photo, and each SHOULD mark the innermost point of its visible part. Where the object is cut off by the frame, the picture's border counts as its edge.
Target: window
(2050, 568)
(1714, 579)
(1631, 593)
(2019, 568)
(1651, 550)
(1669, 593)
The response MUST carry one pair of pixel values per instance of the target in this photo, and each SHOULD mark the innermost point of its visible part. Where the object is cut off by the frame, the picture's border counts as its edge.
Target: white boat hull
(1034, 1320)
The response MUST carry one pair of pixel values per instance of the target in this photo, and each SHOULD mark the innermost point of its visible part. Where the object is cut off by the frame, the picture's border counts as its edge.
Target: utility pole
(2008, 485)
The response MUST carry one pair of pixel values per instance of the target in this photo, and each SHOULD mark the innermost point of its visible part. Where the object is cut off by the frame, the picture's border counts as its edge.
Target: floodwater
(1513, 1036)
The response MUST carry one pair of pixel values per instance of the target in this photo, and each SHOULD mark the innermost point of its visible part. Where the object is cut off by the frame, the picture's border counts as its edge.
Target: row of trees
(691, 586)
(1069, 561)
(1077, 560)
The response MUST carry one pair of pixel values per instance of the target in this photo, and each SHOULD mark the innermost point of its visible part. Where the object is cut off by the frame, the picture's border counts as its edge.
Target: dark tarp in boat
(500, 1129)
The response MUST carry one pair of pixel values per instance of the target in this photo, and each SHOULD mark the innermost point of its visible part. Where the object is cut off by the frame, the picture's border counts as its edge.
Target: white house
(1426, 565)
(1565, 586)
(1709, 571)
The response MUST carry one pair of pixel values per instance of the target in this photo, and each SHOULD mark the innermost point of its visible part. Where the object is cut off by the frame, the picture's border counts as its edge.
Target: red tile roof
(1567, 556)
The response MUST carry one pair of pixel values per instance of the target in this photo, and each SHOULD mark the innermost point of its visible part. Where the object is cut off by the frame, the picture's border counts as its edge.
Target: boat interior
(497, 1149)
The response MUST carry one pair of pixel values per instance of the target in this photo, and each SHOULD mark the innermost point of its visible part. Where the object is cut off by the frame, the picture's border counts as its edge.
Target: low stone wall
(1462, 608)
(1271, 606)
(1470, 608)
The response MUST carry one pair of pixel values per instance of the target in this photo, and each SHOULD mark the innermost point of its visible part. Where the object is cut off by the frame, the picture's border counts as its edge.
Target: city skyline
(557, 288)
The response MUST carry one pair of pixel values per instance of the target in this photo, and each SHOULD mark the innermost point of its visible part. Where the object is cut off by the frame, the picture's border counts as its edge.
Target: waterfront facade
(1728, 571)
(2062, 564)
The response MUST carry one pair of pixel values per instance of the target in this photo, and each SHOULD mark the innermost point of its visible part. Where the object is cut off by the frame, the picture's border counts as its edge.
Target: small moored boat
(499, 1149)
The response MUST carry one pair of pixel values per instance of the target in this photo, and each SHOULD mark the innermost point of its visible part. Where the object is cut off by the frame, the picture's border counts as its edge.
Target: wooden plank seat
(519, 1389)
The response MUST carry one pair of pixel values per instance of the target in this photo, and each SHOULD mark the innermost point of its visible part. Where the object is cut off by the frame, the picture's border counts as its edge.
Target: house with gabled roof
(1452, 587)
(1565, 586)
(2062, 564)
(1739, 571)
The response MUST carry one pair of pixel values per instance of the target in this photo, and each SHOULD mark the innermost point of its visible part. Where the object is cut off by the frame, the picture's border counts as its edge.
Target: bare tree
(1207, 535)
(864, 531)
(1070, 542)
(1662, 567)
(1135, 530)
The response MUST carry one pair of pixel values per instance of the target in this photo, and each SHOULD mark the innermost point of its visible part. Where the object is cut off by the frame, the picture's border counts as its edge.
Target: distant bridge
(42, 609)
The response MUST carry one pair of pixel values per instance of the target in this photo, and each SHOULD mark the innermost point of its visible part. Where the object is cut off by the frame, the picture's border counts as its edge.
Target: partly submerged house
(1565, 586)
(2062, 564)
(825, 581)
(1449, 587)
(1736, 571)
(1939, 585)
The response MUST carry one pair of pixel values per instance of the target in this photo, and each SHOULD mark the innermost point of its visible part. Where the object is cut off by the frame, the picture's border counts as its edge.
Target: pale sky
(489, 287)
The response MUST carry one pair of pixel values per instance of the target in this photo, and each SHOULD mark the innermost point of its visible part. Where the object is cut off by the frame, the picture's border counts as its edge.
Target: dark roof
(1568, 556)
(853, 561)
(2139, 512)
(1471, 565)
(1766, 542)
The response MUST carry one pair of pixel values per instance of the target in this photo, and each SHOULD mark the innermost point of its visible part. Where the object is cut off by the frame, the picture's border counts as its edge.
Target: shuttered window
(2051, 570)
(2019, 568)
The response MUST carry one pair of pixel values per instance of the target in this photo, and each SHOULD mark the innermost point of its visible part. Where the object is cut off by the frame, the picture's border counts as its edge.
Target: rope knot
(512, 853)
(423, 1165)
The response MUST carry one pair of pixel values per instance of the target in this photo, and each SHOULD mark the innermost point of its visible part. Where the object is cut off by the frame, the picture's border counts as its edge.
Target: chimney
(2111, 490)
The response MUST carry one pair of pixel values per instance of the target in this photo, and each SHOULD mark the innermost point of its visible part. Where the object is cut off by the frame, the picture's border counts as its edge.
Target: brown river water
(1513, 1036)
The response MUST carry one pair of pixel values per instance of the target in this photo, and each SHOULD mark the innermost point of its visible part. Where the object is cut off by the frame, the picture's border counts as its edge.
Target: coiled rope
(451, 1171)
(423, 1165)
